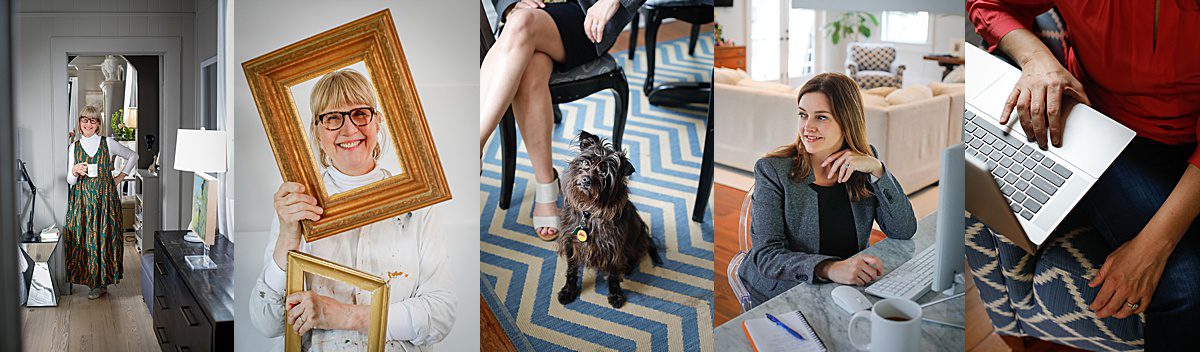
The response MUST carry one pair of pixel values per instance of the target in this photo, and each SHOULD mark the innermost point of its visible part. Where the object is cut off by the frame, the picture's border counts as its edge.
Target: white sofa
(754, 118)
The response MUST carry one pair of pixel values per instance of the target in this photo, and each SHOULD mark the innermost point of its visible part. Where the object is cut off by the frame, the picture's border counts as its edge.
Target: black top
(838, 236)
(213, 288)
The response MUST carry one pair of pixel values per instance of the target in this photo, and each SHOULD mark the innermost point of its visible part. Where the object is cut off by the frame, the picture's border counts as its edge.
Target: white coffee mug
(895, 325)
(93, 170)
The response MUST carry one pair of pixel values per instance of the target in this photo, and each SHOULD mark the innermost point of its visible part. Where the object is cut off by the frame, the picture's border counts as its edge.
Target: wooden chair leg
(621, 90)
(704, 188)
(508, 157)
(633, 32)
(652, 23)
(695, 37)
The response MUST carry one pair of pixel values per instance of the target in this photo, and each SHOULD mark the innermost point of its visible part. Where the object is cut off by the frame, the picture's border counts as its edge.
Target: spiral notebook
(765, 336)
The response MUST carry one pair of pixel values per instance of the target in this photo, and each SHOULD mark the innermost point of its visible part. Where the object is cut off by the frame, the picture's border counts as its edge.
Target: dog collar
(581, 230)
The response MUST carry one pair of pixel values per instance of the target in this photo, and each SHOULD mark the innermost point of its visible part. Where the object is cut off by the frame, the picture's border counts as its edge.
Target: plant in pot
(851, 25)
(120, 131)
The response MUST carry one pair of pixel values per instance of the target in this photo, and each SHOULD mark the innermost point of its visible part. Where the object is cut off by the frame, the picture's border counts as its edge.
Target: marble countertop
(830, 322)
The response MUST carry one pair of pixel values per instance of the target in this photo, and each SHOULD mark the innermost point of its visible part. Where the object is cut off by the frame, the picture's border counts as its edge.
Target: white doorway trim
(169, 49)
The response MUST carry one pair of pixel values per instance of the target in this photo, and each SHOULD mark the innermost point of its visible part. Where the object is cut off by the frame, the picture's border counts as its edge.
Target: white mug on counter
(895, 325)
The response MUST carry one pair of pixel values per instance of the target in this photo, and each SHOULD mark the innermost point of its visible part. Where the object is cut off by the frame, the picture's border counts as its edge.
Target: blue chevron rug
(670, 306)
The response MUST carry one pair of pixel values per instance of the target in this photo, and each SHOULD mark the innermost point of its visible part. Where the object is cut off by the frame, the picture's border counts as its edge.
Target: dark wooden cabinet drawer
(192, 309)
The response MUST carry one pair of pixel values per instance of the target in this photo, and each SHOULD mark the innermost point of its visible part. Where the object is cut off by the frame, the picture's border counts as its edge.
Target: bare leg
(531, 107)
(526, 32)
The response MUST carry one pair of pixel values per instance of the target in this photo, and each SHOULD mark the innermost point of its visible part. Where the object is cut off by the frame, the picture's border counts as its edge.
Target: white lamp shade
(200, 151)
(131, 116)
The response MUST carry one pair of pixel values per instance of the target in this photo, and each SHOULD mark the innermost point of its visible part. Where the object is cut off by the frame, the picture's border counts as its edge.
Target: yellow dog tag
(581, 235)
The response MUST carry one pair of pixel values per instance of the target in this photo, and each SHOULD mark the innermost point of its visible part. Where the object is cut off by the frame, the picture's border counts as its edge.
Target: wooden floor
(727, 203)
(117, 321)
(491, 335)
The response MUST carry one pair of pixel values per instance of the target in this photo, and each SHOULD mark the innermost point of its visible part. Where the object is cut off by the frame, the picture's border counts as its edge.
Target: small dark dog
(600, 227)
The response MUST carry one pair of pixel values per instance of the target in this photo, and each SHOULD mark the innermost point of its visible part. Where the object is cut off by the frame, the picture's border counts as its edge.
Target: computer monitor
(951, 225)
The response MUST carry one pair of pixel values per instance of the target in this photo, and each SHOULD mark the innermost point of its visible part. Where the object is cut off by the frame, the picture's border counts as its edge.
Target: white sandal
(546, 193)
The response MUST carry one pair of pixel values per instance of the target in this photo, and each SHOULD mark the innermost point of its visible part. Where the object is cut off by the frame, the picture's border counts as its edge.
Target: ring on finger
(1132, 306)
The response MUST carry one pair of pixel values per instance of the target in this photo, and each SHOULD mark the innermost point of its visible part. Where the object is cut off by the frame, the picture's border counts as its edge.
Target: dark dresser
(192, 309)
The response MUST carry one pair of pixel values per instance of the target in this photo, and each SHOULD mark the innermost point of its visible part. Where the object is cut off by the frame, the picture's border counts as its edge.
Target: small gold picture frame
(278, 81)
(299, 264)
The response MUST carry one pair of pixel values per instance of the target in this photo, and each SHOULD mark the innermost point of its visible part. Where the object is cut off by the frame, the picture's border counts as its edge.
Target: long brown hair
(848, 112)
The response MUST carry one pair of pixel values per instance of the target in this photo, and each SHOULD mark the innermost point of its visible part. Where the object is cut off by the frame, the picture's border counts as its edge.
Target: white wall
(734, 22)
(444, 59)
(42, 133)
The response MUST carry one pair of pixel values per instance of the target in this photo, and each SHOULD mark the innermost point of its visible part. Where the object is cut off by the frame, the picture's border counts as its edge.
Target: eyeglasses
(334, 120)
(88, 119)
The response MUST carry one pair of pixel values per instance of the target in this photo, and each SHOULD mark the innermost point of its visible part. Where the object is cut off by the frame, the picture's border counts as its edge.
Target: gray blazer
(786, 235)
(611, 30)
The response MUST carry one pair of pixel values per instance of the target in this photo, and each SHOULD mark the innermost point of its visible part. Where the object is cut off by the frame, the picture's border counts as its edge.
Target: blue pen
(784, 326)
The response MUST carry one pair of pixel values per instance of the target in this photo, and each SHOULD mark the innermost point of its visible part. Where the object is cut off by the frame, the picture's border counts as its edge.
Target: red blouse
(1153, 91)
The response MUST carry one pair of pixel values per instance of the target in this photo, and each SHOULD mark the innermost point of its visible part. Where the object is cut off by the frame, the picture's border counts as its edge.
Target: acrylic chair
(735, 282)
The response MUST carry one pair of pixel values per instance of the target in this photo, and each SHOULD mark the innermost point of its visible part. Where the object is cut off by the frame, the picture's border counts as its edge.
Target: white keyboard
(910, 280)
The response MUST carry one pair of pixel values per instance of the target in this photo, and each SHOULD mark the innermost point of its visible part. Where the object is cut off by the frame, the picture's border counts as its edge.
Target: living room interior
(153, 68)
(908, 65)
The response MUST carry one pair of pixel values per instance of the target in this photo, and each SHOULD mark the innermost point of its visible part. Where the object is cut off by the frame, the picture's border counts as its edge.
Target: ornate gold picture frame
(371, 43)
(299, 264)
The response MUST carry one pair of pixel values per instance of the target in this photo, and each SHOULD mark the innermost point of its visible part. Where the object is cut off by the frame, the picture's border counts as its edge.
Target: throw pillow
(910, 94)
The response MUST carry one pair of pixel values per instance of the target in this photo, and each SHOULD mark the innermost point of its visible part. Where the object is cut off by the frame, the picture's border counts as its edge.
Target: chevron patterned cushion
(1046, 295)
(875, 79)
(873, 57)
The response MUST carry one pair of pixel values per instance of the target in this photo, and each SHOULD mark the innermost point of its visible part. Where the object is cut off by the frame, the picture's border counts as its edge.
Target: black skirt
(568, 17)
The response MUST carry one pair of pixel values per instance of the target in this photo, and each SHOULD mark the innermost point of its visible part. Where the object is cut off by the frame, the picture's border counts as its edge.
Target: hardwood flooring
(491, 335)
(117, 321)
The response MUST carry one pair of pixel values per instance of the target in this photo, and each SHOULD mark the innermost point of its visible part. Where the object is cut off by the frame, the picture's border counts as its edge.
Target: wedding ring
(1132, 306)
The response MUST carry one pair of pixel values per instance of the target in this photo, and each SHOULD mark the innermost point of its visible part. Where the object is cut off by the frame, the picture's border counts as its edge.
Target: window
(802, 32)
(906, 27)
(765, 40)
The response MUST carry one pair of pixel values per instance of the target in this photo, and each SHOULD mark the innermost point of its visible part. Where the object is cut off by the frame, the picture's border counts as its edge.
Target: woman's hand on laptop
(1128, 277)
(1038, 95)
(859, 270)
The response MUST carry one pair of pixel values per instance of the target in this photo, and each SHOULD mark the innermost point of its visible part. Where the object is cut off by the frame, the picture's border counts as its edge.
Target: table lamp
(201, 152)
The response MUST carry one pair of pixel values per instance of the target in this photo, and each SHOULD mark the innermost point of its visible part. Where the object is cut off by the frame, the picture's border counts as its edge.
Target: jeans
(1121, 203)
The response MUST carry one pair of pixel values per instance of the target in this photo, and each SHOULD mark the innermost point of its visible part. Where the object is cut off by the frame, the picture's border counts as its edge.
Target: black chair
(696, 12)
(633, 30)
(565, 87)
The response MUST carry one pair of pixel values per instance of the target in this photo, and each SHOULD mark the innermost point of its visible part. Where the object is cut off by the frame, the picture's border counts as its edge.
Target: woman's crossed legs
(516, 71)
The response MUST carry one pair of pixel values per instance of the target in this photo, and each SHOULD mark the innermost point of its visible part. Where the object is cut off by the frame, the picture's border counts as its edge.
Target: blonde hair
(90, 112)
(847, 106)
(342, 87)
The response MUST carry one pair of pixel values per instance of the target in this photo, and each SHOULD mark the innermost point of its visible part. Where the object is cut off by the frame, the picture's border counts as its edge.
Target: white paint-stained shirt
(408, 250)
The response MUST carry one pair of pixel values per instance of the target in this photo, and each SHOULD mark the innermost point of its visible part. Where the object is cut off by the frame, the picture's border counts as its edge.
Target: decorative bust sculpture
(112, 68)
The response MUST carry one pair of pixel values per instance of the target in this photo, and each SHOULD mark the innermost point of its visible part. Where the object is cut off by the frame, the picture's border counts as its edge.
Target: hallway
(117, 321)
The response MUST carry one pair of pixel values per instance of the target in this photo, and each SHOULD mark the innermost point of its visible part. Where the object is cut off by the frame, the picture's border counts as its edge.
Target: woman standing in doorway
(93, 243)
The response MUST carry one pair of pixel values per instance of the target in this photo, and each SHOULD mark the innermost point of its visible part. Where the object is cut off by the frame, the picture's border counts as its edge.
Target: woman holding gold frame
(538, 38)
(406, 250)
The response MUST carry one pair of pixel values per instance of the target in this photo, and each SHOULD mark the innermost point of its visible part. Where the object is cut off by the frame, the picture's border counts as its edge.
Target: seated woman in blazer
(815, 199)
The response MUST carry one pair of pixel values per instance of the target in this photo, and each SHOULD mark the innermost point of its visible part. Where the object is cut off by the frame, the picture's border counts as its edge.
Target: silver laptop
(1039, 187)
